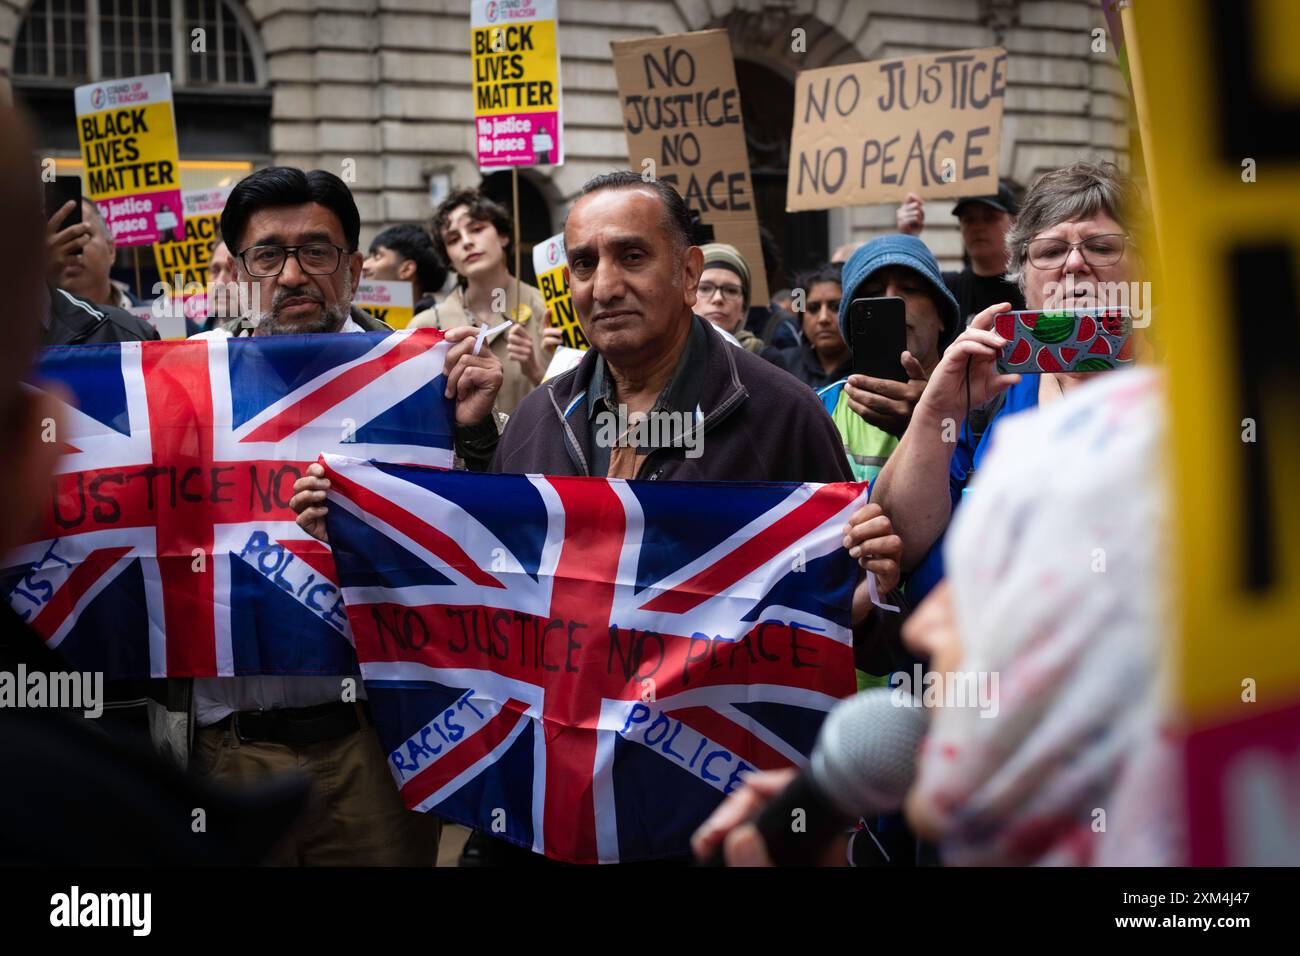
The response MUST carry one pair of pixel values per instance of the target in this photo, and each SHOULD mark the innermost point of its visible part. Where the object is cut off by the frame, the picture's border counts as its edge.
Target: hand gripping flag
(166, 546)
(585, 666)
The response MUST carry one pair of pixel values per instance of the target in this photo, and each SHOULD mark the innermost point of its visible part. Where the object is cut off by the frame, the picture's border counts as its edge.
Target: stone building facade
(384, 85)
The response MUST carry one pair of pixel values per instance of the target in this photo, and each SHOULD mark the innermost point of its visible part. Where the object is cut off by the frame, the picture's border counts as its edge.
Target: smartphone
(878, 337)
(1066, 340)
(59, 192)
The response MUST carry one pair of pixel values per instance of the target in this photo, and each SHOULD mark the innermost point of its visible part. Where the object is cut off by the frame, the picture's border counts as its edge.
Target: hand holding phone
(1065, 340)
(66, 234)
(878, 337)
(58, 193)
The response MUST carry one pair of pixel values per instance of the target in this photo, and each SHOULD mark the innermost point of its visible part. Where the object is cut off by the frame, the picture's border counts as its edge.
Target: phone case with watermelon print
(1065, 340)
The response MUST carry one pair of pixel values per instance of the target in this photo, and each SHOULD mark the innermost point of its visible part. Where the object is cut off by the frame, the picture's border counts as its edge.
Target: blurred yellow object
(1217, 88)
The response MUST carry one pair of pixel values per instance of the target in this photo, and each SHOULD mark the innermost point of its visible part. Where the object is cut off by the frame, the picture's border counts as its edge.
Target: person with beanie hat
(724, 293)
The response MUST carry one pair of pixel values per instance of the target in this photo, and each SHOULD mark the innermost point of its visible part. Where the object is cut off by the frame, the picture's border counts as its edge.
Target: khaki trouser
(355, 818)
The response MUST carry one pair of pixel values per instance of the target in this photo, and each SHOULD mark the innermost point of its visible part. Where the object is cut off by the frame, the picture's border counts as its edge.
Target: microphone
(863, 764)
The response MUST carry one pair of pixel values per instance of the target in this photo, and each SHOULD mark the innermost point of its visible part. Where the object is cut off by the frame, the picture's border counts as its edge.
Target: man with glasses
(723, 293)
(294, 238)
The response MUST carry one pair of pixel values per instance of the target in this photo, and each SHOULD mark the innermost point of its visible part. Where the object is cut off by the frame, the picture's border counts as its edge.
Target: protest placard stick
(514, 186)
(135, 254)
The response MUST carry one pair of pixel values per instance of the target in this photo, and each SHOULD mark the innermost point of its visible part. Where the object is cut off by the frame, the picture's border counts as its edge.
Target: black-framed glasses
(1096, 250)
(731, 293)
(314, 258)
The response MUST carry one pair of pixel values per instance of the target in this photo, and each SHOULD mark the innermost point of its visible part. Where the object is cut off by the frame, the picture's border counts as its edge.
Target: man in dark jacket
(660, 395)
(294, 237)
(74, 253)
(728, 415)
(633, 273)
(70, 320)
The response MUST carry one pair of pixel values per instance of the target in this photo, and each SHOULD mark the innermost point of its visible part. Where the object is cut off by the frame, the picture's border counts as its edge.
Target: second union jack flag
(585, 666)
(166, 546)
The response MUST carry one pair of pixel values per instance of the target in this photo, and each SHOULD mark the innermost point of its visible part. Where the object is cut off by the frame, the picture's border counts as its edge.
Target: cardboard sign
(873, 132)
(553, 280)
(184, 263)
(514, 48)
(1212, 103)
(127, 133)
(681, 113)
(391, 302)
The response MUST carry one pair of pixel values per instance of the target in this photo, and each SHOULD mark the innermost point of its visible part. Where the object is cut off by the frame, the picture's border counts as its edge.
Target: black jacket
(74, 321)
(760, 424)
(801, 361)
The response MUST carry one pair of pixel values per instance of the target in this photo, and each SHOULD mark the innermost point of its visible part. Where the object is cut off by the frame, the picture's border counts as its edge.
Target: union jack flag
(166, 547)
(585, 666)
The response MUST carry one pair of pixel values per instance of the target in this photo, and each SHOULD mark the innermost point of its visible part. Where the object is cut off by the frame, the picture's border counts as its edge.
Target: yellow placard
(1218, 119)
(129, 151)
(514, 52)
(127, 132)
(553, 281)
(391, 302)
(515, 68)
(185, 263)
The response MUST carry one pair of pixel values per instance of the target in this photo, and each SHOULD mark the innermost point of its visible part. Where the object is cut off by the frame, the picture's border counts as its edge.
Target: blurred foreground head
(28, 461)
(1048, 661)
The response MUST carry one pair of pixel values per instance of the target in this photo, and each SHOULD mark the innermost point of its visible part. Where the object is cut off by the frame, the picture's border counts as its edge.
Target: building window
(52, 41)
(228, 59)
(80, 41)
(135, 37)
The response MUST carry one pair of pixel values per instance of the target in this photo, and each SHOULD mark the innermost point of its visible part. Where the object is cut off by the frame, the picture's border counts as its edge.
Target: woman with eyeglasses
(1070, 248)
(723, 293)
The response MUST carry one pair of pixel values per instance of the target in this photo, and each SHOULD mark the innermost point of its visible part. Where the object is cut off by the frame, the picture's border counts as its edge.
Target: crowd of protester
(671, 330)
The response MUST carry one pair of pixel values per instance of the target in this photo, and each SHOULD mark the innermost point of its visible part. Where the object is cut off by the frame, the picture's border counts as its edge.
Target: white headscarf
(1056, 562)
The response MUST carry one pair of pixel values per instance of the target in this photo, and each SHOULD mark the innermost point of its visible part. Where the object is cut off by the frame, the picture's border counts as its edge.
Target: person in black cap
(985, 222)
